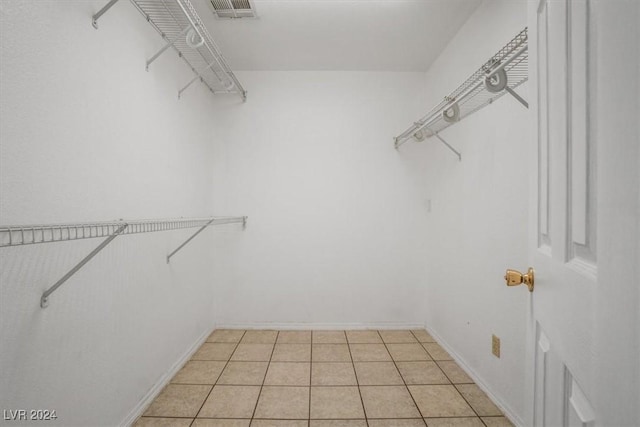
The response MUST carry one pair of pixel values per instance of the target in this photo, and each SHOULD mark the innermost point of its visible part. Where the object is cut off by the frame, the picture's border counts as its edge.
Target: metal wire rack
(179, 24)
(501, 74)
(20, 235)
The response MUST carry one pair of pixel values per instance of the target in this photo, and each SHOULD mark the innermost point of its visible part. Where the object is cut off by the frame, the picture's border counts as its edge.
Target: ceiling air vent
(233, 8)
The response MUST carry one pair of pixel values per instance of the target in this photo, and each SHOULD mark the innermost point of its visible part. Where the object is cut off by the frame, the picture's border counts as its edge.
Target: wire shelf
(509, 66)
(171, 18)
(180, 25)
(19, 235)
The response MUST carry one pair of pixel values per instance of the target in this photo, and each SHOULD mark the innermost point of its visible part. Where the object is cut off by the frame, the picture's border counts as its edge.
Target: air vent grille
(233, 8)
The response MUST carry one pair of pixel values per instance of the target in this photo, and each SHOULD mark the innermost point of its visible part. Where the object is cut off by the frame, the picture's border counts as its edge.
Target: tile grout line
(452, 383)
(445, 374)
(219, 375)
(255, 408)
(401, 377)
(468, 403)
(355, 374)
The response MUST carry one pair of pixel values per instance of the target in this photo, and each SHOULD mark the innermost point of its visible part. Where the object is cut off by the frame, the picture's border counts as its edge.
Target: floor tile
(214, 351)
(178, 400)
(259, 337)
(199, 372)
(253, 352)
(363, 337)
(454, 422)
(338, 423)
(294, 337)
(497, 422)
(436, 352)
(279, 423)
(334, 398)
(292, 353)
(478, 400)
(394, 337)
(230, 402)
(369, 353)
(243, 373)
(377, 373)
(226, 335)
(330, 353)
(162, 422)
(407, 352)
(388, 402)
(454, 372)
(440, 401)
(334, 373)
(210, 422)
(422, 335)
(421, 373)
(288, 373)
(397, 423)
(336, 403)
(283, 403)
(329, 337)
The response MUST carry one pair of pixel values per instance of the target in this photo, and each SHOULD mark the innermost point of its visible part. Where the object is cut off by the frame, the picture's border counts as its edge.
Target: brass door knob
(515, 278)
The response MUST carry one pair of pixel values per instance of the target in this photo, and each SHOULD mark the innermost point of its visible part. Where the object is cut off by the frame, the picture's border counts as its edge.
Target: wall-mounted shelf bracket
(457, 153)
(166, 46)
(44, 300)
(218, 221)
(197, 76)
(94, 18)
(516, 96)
(200, 230)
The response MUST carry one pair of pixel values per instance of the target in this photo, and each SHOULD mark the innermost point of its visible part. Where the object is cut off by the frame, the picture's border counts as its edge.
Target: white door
(567, 216)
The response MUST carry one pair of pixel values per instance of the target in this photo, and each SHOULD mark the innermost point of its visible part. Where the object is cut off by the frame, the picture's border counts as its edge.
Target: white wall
(336, 230)
(86, 135)
(478, 220)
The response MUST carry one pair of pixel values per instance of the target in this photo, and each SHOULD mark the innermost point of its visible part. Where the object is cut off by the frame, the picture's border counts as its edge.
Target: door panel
(563, 250)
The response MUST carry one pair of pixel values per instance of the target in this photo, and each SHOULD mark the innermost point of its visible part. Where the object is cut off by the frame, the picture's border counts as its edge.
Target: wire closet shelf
(181, 27)
(20, 235)
(501, 74)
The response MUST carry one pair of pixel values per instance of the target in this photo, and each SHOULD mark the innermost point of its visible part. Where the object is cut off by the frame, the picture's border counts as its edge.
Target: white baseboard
(139, 409)
(504, 407)
(319, 326)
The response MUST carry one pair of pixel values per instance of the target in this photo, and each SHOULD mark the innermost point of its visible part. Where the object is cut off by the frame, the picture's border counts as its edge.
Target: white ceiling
(375, 35)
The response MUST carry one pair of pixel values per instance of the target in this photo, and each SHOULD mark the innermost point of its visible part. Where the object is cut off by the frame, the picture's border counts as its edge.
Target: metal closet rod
(20, 235)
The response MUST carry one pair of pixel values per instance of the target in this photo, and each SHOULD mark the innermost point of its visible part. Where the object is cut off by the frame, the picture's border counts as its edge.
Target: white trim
(319, 326)
(142, 405)
(508, 412)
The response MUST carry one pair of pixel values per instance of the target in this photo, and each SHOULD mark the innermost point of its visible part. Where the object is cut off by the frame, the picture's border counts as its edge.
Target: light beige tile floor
(258, 378)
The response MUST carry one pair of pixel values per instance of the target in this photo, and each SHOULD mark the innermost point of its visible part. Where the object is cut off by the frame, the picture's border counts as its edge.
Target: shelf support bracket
(94, 18)
(191, 238)
(457, 153)
(166, 46)
(44, 300)
(198, 76)
(516, 96)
